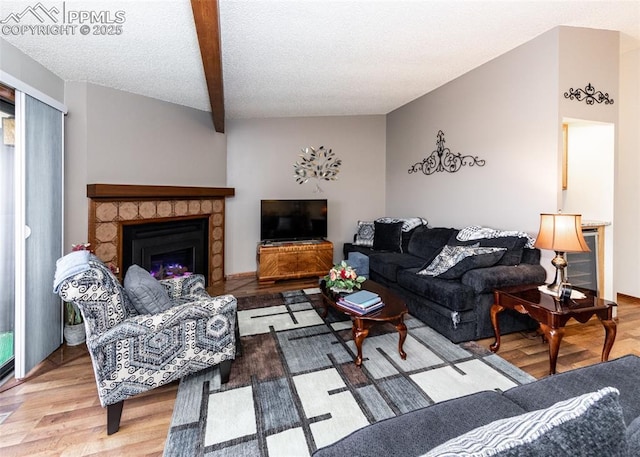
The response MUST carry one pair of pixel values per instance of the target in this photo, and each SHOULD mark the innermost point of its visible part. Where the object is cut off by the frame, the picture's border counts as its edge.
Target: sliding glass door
(7, 237)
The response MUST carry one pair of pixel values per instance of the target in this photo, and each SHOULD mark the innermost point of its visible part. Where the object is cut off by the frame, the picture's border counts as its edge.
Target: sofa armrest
(485, 280)
(184, 285)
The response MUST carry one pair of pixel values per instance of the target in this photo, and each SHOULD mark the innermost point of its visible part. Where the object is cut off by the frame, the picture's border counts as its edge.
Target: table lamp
(560, 233)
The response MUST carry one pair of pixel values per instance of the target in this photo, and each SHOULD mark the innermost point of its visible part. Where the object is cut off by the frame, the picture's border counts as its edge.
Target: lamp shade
(561, 233)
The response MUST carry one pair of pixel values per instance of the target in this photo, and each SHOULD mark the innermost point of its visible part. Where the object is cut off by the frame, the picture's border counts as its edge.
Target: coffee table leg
(325, 307)
(610, 329)
(360, 332)
(402, 330)
(495, 310)
(554, 336)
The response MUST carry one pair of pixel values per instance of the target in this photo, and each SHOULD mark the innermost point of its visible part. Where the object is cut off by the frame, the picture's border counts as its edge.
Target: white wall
(504, 112)
(627, 178)
(116, 137)
(260, 158)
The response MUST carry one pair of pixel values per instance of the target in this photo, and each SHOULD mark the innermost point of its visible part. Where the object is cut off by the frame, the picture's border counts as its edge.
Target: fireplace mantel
(141, 192)
(113, 205)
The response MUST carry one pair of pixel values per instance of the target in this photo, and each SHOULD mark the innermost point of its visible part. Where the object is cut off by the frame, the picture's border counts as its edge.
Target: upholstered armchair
(133, 353)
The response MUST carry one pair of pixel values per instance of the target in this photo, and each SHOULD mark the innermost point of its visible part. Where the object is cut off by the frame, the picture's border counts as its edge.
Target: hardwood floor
(56, 411)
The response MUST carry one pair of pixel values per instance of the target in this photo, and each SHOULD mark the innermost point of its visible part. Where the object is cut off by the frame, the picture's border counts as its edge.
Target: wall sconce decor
(589, 95)
(442, 159)
(320, 164)
(9, 131)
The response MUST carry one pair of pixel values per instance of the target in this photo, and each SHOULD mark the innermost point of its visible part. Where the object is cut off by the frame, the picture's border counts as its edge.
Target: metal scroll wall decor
(321, 164)
(589, 95)
(442, 159)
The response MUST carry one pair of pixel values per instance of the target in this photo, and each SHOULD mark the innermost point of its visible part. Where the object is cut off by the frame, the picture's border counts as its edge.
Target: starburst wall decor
(320, 164)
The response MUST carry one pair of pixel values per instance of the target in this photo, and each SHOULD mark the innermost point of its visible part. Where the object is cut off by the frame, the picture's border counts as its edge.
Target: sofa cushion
(364, 235)
(418, 431)
(147, 294)
(454, 261)
(485, 280)
(387, 237)
(428, 242)
(513, 244)
(621, 373)
(387, 264)
(588, 425)
(448, 293)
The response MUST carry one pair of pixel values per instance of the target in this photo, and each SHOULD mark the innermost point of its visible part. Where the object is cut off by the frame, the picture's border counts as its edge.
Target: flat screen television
(293, 220)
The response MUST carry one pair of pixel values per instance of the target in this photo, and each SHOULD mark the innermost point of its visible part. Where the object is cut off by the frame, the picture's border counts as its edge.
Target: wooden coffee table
(393, 311)
(552, 315)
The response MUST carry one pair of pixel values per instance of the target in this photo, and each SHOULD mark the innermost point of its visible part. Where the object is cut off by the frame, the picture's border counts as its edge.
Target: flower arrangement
(343, 278)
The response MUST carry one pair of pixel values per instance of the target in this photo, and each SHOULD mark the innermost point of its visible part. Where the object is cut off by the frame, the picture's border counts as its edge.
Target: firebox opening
(167, 249)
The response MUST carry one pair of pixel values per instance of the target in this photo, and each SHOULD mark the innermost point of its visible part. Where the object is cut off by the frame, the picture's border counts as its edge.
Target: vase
(341, 290)
(74, 334)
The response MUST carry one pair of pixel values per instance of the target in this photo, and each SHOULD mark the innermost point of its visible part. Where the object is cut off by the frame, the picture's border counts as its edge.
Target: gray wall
(505, 112)
(27, 70)
(116, 137)
(260, 156)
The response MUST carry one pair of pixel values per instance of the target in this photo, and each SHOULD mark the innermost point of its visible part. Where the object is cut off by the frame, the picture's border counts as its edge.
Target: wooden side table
(552, 315)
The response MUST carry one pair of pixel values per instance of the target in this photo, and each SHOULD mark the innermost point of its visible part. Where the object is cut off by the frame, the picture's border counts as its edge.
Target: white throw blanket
(475, 232)
(70, 265)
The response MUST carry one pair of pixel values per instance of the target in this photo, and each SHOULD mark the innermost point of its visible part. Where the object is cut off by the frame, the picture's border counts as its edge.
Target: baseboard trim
(628, 297)
(248, 274)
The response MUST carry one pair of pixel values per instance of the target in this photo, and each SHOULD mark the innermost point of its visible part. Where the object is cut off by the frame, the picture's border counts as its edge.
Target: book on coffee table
(362, 298)
(359, 310)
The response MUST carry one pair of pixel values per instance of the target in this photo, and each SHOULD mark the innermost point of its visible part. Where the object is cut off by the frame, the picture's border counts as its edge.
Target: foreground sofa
(610, 428)
(458, 303)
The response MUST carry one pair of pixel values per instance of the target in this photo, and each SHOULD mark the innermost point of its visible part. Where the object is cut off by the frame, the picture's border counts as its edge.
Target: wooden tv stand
(296, 259)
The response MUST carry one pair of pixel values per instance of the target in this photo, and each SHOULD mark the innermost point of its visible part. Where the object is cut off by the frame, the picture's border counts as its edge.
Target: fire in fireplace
(167, 249)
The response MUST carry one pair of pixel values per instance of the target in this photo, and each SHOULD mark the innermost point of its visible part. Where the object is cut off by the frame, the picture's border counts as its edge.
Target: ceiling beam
(205, 15)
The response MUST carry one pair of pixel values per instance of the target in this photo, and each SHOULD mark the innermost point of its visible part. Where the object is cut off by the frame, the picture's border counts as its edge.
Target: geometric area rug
(295, 388)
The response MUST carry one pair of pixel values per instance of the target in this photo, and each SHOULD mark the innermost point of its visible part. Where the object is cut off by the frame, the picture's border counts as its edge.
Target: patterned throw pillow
(365, 233)
(454, 261)
(408, 223)
(590, 425)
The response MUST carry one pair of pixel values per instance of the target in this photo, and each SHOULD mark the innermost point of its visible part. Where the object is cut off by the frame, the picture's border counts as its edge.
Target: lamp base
(560, 263)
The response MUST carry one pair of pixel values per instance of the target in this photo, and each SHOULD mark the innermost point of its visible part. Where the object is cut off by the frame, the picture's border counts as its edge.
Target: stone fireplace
(116, 210)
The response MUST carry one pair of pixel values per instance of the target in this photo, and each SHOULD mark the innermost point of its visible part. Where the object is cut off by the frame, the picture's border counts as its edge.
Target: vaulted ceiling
(306, 57)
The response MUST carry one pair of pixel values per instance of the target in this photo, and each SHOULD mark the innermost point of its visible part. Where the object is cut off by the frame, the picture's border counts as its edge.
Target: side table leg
(402, 330)
(610, 328)
(554, 336)
(360, 332)
(495, 310)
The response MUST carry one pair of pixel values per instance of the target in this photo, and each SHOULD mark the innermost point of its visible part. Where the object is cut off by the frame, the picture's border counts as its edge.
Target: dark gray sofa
(419, 431)
(457, 308)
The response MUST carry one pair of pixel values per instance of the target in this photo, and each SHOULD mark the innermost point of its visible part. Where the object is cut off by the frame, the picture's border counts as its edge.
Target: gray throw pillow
(146, 293)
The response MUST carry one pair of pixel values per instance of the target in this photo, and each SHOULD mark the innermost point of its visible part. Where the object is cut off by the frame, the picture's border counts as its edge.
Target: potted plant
(74, 333)
(343, 278)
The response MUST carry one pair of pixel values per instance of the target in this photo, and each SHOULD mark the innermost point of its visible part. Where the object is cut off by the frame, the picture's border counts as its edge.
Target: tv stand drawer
(294, 260)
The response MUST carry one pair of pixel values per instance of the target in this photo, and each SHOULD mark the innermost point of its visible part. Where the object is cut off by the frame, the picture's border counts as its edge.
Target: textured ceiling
(309, 57)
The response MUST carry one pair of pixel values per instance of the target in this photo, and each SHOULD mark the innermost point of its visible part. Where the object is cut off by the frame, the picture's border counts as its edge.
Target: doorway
(589, 169)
